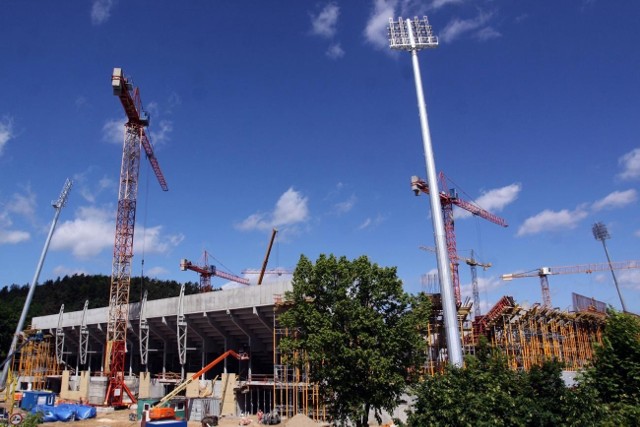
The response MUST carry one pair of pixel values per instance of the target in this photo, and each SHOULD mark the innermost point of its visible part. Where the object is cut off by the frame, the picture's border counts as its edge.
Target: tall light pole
(57, 205)
(414, 35)
(601, 233)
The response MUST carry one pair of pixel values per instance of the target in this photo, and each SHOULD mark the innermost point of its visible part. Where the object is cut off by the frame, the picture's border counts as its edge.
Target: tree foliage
(487, 393)
(615, 374)
(358, 330)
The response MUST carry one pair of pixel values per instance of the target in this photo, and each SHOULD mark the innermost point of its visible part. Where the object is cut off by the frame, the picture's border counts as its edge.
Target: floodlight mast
(601, 233)
(414, 35)
(57, 205)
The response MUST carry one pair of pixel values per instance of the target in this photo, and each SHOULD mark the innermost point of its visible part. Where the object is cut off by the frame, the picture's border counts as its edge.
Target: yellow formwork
(37, 361)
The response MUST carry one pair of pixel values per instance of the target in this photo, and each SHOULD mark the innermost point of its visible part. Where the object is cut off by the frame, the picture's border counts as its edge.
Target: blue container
(33, 398)
(167, 423)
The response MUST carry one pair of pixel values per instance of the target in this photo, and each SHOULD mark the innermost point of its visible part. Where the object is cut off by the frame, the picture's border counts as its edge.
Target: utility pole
(414, 35)
(57, 205)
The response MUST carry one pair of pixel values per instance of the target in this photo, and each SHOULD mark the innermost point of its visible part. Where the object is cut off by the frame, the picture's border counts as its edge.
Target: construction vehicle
(159, 410)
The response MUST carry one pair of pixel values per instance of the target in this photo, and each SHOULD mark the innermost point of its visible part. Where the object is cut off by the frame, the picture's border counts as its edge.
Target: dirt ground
(120, 418)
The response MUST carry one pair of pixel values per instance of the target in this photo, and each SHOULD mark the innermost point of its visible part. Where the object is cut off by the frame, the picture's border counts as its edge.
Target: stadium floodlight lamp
(601, 233)
(410, 34)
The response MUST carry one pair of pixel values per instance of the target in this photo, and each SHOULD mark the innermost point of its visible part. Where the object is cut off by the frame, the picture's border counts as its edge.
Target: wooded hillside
(73, 291)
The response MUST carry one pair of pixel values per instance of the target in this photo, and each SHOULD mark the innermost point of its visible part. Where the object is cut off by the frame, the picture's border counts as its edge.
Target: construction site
(216, 353)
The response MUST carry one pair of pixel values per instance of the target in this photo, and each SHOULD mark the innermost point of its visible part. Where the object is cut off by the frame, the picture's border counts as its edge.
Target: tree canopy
(358, 330)
(487, 393)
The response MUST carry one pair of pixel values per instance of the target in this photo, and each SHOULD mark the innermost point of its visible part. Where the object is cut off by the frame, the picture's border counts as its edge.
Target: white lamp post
(414, 35)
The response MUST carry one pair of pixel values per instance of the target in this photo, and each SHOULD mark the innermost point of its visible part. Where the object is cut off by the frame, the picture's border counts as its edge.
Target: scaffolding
(436, 356)
(293, 392)
(37, 361)
(530, 336)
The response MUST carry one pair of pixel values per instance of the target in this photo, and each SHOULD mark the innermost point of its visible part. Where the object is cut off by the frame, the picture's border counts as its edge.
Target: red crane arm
(451, 197)
(476, 210)
(211, 270)
(132, 105)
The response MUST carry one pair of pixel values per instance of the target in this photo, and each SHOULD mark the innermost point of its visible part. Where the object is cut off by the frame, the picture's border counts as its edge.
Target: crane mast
(448, 198)
(473, 264)
(135, 136)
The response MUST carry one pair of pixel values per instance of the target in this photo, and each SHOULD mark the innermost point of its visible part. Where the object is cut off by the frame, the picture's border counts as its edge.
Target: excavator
(161, 412)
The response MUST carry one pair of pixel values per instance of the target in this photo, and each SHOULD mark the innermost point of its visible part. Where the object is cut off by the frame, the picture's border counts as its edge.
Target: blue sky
(297, 115)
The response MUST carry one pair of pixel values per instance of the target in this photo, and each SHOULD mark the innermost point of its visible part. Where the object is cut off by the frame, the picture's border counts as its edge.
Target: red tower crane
(207, 270)
(448, 198)
(572, 269)
(135, 136)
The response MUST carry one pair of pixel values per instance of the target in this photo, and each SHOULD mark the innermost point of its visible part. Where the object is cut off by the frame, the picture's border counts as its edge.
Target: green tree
(487, 393)
(358, 332)
(615, 374)
(483, 393)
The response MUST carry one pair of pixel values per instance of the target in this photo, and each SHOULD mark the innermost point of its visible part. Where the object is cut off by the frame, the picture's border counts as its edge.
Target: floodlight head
(410, 34)
(600, 231)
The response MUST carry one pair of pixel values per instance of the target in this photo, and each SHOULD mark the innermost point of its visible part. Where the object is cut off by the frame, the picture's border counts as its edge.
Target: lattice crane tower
(134, 137)
(448, 198)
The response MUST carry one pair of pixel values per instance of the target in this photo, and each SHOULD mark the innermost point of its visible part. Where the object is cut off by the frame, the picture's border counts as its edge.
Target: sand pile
(300, 420)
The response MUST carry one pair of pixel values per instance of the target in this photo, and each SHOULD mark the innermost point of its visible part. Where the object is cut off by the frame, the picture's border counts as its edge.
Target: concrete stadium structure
(193, 329)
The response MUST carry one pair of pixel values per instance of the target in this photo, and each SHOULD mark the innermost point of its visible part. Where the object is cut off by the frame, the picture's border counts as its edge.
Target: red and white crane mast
(448, 198)
(135, 136)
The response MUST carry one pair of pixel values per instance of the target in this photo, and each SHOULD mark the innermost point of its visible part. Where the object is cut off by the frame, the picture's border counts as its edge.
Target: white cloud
(345, 206)
(85, 185)
(290, 209)
(488, 284)
(335, 51)
(371, 222)
(13, 236)
(457, 27)
(62, 271)
(375, 31)
(101, 11)
(157, 272)
(113, 131)
(548, 220)
(630, 164)
(324, 23)
(494, 200)
(161, 136)
(487, 33)
(437, 4)
(89, 233)
(629, 279)
(93, 230)
(23, 204)
(6, 132)
(617, 199)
